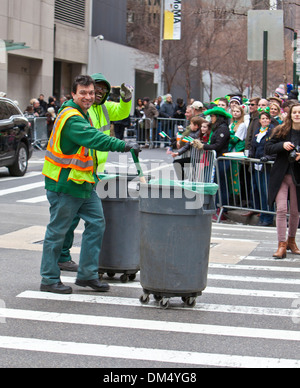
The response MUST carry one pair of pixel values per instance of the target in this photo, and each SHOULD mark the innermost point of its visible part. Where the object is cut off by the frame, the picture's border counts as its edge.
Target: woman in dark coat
(219, 142)
(285, 179)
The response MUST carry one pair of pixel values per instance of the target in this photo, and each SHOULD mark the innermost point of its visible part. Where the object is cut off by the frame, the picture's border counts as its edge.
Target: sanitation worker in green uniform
(70, 171)
(102, 112)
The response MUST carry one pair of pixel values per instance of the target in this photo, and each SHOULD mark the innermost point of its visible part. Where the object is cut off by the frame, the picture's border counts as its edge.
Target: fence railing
(243, 184)
(39, 132)
(146, 131)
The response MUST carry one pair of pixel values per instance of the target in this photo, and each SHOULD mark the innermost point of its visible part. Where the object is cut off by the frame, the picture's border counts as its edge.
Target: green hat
(218, 112)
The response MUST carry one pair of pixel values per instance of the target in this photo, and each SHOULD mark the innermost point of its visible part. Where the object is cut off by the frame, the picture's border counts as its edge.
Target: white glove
(126, 92)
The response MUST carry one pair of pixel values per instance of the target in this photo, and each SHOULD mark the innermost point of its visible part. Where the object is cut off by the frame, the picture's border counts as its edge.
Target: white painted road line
(131, 302)
(253, 279)
(27, 175)
(22, 188)
(213, 290)
(42, 198)
(254, 268)
(141, 324)
(144, 354)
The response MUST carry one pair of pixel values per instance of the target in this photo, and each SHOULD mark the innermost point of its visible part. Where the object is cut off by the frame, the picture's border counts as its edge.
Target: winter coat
(253, 127)
(281, 167)
(151, 113)
(167, 109)
(187, 146)
(219, 140)
(258, 149)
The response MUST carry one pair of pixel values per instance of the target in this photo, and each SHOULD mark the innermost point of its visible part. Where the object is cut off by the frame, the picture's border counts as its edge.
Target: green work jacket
(78, 132)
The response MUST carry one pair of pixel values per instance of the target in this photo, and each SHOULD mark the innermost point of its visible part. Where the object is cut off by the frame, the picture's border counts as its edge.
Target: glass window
(4, 112)
(13, 111)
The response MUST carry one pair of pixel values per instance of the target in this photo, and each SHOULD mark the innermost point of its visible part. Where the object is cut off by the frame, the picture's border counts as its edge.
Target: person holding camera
(284, 181)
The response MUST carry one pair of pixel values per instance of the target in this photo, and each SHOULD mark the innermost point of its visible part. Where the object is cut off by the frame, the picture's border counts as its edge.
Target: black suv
(15, 142)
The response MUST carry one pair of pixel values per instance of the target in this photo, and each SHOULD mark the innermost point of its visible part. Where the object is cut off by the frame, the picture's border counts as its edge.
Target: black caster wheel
(144, 299)
(191, 301)
(111, 274)
(164, 303)
(124, 278)
(132, 276)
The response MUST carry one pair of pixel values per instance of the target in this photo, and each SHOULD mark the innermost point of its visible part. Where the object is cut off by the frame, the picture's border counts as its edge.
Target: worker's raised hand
(133, 146)
(126, 92)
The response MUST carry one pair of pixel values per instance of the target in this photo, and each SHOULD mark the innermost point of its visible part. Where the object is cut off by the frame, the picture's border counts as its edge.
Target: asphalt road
(248, 316)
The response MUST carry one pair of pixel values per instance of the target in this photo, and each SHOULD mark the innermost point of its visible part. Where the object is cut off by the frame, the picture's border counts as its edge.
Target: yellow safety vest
(81, 163)
(99, 115)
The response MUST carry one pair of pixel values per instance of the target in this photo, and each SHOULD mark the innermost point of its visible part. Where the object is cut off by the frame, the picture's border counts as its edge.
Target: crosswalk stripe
(247, 310)
(214, 290)
(22, 188)
(253, 279)
(229, 229)
(272, 260)
(141, 324)
(42, 198)
(254, 268)
(145, 354)
(31, 174)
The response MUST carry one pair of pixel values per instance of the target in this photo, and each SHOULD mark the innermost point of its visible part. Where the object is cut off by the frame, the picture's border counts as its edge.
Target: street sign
(258, 22)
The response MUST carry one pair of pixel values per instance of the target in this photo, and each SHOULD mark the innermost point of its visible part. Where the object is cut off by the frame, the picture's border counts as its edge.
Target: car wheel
(20, 165)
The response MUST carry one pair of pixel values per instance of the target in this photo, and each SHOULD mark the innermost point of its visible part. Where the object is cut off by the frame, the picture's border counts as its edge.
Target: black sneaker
(95, 284)
(57, 288)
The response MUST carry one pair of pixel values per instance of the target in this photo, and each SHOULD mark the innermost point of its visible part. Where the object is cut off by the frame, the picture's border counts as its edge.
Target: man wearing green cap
(102, 112)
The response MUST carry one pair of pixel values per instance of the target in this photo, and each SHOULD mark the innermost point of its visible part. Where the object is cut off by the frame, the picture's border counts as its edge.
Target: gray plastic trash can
(120, 249)
(175, 237)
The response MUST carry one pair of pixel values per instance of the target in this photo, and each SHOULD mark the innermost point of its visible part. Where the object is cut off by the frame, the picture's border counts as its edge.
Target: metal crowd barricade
(144, 131)
(147, 130)
(170, 127)
(202, 166)
(243, 184)
(39, 132)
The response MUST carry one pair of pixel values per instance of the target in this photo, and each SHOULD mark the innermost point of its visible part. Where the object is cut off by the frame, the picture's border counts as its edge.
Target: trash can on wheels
(120, 248)
(175, 236)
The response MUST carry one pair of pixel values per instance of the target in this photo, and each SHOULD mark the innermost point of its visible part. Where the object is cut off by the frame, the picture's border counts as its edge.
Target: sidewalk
(237, 217)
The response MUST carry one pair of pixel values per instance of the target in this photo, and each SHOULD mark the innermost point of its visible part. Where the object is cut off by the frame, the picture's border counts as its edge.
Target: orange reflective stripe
(81, 161)
(60, 121)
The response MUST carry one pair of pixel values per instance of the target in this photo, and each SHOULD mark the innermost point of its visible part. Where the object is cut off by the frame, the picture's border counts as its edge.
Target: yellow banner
(172, 18)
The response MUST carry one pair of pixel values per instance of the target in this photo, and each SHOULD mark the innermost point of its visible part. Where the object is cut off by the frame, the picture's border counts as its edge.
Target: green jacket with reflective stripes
(106, 112)
(102, 115)
(78, 132)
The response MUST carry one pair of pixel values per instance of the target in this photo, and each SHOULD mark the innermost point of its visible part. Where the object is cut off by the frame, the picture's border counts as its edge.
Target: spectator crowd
(230, 124)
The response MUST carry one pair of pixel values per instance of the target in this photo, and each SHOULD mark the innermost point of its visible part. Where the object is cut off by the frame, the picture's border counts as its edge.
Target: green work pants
(63, 209)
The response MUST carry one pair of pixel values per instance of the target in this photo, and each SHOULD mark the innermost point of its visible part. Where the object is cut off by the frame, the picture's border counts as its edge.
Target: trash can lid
(198, 187)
